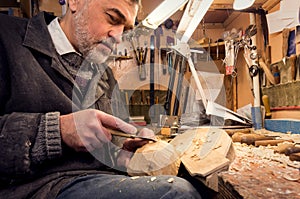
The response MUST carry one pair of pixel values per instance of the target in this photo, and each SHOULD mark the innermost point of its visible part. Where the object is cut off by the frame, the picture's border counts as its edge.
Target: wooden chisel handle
(295, 157)
(122, 134)
(269, 142)
(292, 149)
(282, 148)
(266, 103)
(251, 138)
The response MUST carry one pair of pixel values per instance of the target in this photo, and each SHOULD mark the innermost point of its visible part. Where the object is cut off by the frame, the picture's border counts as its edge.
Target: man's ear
(73, 4)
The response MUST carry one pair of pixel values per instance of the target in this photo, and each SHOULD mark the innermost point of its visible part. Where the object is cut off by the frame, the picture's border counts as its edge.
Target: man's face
(99, 24)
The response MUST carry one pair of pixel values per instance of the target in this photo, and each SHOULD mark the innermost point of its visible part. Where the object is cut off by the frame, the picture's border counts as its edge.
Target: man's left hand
(131, 145)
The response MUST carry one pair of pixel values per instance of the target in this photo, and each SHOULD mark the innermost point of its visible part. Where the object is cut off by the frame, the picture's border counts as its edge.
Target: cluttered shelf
(139, 105)
(215, 50)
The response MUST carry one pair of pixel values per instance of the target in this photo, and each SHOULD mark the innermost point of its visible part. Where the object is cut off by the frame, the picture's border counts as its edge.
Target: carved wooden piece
(202, 152)
(158, 158)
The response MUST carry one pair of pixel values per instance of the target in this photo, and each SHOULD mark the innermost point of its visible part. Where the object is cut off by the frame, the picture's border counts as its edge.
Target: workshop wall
(283, 96)
(51, 6)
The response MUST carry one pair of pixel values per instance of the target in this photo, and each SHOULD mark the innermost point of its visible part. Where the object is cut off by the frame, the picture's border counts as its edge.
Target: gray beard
(96, 56)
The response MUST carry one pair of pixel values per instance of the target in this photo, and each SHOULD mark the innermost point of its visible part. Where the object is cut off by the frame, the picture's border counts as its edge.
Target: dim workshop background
(247, 61)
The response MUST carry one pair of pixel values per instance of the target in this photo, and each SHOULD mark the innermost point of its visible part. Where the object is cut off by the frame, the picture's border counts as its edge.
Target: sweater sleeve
(17, 133)
(47, 145)
(27, 139)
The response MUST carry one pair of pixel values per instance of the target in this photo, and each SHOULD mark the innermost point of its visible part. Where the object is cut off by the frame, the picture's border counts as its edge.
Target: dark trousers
(121, 187)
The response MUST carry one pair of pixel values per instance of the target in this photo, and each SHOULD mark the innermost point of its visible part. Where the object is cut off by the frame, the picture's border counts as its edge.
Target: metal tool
(167, 104)
(181, 71)
(121, 134)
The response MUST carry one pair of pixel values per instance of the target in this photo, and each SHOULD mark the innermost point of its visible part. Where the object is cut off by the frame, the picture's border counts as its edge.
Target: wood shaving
(134, 177)
(171, 180)
(291, 177)
(152, 179)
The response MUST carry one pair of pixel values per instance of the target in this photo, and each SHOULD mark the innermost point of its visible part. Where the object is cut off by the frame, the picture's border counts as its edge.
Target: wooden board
(216, 157)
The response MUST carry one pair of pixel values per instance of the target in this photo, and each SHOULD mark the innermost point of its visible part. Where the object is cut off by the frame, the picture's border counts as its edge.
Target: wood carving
(157, 158)
(202, 152)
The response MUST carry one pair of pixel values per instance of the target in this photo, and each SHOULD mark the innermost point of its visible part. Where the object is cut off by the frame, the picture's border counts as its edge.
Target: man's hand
(87, 130)
(131, 145)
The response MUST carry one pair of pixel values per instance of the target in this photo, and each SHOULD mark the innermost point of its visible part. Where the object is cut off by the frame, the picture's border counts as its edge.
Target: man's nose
(116, 33)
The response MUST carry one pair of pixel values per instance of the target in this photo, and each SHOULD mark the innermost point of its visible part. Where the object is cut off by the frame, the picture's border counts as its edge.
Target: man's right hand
(86, 130)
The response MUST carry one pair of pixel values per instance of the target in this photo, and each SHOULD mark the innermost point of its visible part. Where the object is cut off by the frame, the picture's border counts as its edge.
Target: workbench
(231, 168)
(257, 172)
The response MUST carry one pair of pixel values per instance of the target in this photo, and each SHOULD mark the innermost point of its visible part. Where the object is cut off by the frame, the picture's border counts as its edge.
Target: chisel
(121, 134)
(269, 142)
(295, 157)
(291, 149)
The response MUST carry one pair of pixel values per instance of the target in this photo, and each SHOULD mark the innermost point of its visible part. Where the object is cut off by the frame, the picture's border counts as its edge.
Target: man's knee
(180, 188)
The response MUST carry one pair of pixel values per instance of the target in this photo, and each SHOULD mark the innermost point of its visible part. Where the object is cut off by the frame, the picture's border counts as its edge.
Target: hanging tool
(164, 62)
(140, 54)
(217, 50)
(192, 16)
(152, 59)
(182, 67)
(167, 104)
(265, 100)
(142, 60)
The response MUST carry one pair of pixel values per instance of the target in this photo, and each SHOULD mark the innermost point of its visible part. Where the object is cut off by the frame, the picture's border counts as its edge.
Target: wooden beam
(270, 4)
(231, 17)
(214, 26)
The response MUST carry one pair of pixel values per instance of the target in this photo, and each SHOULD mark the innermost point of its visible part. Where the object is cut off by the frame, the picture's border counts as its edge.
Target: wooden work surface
(252, 172)
(258, 172)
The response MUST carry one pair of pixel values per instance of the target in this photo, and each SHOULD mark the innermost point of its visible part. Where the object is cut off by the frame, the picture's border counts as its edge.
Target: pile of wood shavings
(258, 172)
(263, 154)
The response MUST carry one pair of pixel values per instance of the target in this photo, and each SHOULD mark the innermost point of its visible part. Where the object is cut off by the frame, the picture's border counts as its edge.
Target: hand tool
(295, 157)
(141, 65)
(170, 90)
(266, 103)
(270, 142)
(292, 60)
(152, 60)
(252, 138)
(181, 71)
(122, 134)
(283, 147)
(298, 68)
(291, 149)
(231, 132)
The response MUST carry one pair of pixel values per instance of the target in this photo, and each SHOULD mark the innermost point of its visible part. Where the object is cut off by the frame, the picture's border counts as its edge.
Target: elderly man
(57, 101)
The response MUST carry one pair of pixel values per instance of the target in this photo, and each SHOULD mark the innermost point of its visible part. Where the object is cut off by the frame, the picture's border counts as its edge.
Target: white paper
(286, 17)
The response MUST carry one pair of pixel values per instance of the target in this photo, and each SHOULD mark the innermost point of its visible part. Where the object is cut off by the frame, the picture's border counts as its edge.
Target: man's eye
(113, 19)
